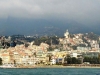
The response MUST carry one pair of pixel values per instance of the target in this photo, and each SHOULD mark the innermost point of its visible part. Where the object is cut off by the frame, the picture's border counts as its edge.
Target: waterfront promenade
(61, 66)
(70, 66)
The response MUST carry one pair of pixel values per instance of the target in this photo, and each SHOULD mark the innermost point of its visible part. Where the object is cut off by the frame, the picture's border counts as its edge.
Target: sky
(30, 15)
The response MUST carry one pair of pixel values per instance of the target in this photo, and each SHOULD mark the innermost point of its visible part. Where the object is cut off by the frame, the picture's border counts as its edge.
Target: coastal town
(68, 50)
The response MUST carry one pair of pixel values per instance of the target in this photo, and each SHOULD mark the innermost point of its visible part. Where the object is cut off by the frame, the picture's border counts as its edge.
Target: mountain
(12, 26)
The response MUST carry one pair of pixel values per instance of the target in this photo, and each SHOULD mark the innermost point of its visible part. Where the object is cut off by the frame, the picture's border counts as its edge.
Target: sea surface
(51, 71)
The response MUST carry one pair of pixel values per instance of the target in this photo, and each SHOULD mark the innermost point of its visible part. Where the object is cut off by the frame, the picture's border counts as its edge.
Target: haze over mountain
(49, 16)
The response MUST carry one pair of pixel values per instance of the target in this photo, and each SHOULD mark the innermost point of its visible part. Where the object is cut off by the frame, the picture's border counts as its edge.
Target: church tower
(66, 34)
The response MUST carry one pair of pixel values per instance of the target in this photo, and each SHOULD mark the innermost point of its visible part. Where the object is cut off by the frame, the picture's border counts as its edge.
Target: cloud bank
(72, 9)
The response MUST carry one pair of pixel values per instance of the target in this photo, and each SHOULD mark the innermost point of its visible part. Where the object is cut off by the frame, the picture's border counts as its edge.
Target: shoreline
(53, 66)
(60, 66)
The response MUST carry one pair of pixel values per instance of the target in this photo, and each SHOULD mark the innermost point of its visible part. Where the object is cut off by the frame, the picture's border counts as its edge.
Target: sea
(51, 71)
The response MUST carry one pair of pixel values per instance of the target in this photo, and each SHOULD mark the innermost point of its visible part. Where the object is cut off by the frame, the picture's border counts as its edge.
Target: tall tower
(9, 38)
(66, 34)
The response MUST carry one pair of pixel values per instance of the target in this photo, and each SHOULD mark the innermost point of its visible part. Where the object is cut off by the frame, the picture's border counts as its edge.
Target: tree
(14, 61)
(74, 47)
(69, 60)
(0, 61)
(99, 58)
(74, 60)
(92, 60)
(50, 49)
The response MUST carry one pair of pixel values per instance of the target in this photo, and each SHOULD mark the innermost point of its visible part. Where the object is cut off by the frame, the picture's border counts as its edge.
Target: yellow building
(6, 59)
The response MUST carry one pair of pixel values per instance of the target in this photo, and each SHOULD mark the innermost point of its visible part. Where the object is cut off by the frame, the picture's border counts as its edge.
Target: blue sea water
(51, 71)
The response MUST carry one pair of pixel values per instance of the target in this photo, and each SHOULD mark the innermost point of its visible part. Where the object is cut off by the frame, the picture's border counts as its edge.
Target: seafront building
(22, 55)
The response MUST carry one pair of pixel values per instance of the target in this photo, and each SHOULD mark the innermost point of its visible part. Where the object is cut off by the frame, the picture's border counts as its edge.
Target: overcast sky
(86, 12)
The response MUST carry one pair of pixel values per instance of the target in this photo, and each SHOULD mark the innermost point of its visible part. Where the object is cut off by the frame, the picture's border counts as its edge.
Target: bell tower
(66, 34)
